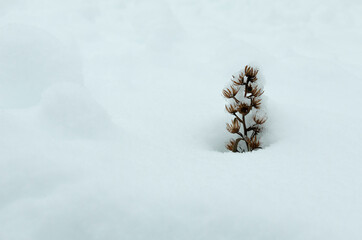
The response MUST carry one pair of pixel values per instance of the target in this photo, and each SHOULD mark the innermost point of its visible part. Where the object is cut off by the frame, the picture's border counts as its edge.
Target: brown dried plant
(245, 96)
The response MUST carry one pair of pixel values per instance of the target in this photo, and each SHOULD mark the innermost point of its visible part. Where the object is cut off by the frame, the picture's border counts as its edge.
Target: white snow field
(112, 121)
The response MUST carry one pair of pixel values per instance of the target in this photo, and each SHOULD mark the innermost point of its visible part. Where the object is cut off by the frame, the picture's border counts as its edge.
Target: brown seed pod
(230, 145)
(258, 120)
(256, 92)
(256, 102)
(230, 92)
(232, 108)
(253, 143)
(251, 73)
(234, 127)
(244, 108)
(239, 81)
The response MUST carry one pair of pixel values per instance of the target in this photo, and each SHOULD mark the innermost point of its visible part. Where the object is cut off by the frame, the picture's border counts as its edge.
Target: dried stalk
(239, 108)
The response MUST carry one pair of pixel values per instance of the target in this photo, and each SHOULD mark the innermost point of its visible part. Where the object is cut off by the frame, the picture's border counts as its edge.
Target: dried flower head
(256, 92)
(254, 143)
(234, 127)
(239, 81)
(256, 102)
(230, 145)
(244, 108)
(251, 73)
(232, 108)
(259, 120)
(230, 92)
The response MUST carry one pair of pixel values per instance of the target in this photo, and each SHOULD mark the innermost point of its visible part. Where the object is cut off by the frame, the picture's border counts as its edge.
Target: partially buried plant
(245, 101)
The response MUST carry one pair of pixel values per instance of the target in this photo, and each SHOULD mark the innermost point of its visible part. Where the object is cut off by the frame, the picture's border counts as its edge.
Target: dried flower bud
(239, 81)
(230, 145)
(256, 102)
(244, 108)
(259, 121)
(230, 92)
(251, 73)
(256, 92)
(234, 127)
(253, 143)
(231, 108)
(233, 145)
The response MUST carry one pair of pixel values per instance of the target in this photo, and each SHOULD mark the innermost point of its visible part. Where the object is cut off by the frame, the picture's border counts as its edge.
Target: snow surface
(112, 122)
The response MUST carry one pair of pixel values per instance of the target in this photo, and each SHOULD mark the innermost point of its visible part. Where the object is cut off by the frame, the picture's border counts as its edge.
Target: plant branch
(245, 134)
(235, 147)
(237, 117)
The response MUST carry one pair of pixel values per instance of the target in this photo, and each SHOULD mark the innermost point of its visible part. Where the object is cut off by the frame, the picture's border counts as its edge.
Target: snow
(32, 60)
(112, 120)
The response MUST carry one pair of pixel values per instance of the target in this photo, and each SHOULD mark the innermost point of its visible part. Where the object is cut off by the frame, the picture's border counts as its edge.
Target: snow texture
(112, 121)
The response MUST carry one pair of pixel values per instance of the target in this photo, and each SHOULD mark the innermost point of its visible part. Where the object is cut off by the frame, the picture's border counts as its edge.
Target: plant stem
(237, 117)
(235, 148)
(245, 134)
(241, 135)
(246, 86)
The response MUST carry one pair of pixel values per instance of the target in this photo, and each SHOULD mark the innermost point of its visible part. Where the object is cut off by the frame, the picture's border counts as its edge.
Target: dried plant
(245, 96)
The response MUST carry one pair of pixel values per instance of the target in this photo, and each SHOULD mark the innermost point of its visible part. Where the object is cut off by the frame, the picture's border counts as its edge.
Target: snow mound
(31, 60)
(72, 112)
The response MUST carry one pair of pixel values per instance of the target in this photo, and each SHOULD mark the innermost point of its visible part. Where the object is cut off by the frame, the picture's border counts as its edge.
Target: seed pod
(243, 108)
(231, 108)
(234, 127)
(230, 92)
